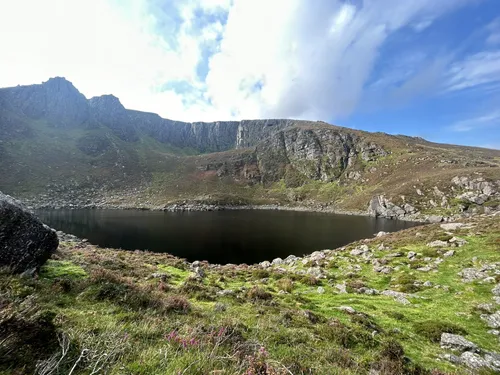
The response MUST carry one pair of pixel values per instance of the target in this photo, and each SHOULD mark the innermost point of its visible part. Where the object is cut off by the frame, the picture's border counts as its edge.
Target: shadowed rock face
(25, 242)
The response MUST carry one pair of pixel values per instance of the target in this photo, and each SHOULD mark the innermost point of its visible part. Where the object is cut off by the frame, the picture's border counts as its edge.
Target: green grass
(54, 269)
(106, 300)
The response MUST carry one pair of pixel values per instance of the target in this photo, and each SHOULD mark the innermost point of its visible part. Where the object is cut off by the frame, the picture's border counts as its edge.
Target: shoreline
(202, 207)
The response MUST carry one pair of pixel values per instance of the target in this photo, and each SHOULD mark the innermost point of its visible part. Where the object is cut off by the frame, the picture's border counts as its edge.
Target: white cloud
(279, 58)
(493, 30)
(486, 120)
(481, 69)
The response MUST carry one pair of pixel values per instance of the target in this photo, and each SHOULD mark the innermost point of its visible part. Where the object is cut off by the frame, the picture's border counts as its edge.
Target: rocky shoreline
(202, 207)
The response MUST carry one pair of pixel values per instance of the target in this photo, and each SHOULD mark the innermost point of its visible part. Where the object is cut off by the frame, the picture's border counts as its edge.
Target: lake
(232, 236)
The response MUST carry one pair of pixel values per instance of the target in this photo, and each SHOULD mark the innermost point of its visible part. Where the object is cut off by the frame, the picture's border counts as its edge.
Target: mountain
(62, 149)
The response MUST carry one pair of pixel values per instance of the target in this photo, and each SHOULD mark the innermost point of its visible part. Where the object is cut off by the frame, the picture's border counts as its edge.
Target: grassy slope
(106, 301)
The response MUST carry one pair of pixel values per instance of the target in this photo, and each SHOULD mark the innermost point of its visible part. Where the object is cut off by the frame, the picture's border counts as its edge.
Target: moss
(433, 329)
(54, 269)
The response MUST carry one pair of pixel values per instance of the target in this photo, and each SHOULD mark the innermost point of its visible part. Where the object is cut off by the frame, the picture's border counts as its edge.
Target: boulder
(492, 320)
(451, 226)
(457, 342)
(25, 242)
(473, 360)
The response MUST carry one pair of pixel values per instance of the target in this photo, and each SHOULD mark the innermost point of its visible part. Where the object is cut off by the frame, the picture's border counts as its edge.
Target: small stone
(438, 243)
(496, 290)
(225, 292)
(428, 284)
(458, 241)
(451, 226)
(411, 254)
(489, 280)
(342, 288)
(381, 234)
(265, 264)
(277, 262)
(220, 307)
(347, 309)
(434, 219)
(320, 290)
(449, 253)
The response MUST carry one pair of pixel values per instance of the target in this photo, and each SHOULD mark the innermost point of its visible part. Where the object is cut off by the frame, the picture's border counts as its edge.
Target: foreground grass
(105, 311)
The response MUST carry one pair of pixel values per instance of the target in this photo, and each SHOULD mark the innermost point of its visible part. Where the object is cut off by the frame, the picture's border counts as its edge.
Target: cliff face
(59, 103)
(56, 101)
(318, 154)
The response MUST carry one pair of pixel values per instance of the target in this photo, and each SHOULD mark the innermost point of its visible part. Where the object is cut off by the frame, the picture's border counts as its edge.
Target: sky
(424, 68)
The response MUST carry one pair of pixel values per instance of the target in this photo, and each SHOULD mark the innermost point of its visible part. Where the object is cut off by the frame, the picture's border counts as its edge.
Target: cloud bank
(233, 59)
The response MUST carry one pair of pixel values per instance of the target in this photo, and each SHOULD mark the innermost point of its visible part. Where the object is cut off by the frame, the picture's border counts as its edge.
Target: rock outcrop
(25, 242)
(312, 153)
(381, 206)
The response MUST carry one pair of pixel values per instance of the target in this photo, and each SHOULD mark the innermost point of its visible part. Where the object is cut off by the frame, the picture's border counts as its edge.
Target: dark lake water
(242, 236)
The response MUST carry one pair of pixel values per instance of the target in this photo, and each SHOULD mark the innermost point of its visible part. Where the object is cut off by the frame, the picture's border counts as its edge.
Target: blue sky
(417, 67)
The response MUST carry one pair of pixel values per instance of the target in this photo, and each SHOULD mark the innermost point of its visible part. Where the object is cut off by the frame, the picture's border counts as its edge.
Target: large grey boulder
(25, 242)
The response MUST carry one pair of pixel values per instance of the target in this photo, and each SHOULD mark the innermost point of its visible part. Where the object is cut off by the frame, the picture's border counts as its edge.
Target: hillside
(420, 301)
(59, 149)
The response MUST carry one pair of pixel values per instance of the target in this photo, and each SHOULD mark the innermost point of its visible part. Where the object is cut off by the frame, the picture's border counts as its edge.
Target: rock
(438, 243)
(277, 262)
(315, 271)
(25, 242)
(381, 206)
(456, 342)
(360, 250)
(220, 307)
(347, 309)
(160, 275)
(457, 241)
(492, 320)
(399, 297)
(428, 284)
(434, 219)
(411, 254)
(487, 307)
(472, 274)
(451, 358)
(493, 360)
(383, 269)
(489, 280)
(449, 253)
(452, 226)
(320, 290)
(225, 292)
(367, 291)
(265, 264)
(473, 360)
(496, 290)
(424, 269)
(317, 256)
(342, 288)
(381, 234)
(199, 272)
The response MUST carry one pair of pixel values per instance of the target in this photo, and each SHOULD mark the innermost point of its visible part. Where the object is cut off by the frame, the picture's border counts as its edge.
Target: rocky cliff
(59, 103)
(67, 150)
